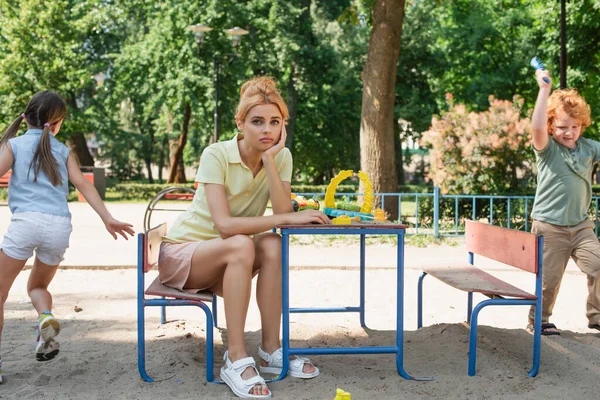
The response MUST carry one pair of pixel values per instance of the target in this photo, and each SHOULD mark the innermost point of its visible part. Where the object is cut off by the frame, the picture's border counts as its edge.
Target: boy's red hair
(571, 103)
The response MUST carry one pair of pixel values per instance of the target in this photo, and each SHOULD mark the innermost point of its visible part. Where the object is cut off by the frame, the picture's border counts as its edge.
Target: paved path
(92, 247)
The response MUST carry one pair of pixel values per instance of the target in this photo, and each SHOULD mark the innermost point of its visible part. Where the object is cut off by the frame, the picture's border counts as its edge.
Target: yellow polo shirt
(247, 195)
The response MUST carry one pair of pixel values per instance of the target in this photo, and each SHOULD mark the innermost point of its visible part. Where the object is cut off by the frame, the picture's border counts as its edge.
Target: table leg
(400, 313)
(285, 304)
(362, 282)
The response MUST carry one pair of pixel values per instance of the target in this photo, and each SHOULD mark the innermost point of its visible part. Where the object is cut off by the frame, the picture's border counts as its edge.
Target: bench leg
(537, 338)
(142, 342)
(473, 337)
(163, 314)
(469, 307)
(214, 310)
(210, 358)
(420, 301)
(210, 355)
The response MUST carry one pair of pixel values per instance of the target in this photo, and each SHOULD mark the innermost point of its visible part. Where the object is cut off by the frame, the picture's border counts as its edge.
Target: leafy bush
(140, 191)
(481, 153)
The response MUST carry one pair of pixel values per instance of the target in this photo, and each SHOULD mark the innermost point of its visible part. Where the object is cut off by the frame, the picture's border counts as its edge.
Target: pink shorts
(175, 263)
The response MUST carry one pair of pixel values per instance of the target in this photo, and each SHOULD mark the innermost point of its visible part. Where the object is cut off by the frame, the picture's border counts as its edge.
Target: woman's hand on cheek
(277, 147)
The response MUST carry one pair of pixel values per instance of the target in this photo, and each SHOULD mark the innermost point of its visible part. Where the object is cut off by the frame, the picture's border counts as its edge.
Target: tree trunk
(78, 145)
(292, 103)
(164, 148)
(148, 150)
(377, 150)
(177, 172)
(80, 149)
(304, 27)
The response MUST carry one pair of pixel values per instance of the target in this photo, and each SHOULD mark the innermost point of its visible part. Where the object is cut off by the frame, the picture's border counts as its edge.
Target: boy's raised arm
(539, 118)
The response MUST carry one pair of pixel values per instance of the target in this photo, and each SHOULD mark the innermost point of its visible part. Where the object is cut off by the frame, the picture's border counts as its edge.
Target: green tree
(57, 45)
(377, 147)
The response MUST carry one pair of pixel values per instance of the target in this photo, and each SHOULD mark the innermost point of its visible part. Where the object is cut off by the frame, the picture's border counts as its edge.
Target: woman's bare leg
(268, 292)
(224, 266)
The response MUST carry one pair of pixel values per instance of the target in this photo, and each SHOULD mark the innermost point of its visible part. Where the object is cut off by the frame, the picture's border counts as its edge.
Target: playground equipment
(347, 213)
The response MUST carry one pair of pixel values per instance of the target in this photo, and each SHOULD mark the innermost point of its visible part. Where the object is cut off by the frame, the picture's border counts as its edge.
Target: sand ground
(98, 356)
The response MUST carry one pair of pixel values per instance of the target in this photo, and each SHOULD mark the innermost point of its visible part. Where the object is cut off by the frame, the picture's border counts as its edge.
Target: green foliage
(314, 48)
(481, 153)
(350, 188)
(139, 191)
(55, 45)
(347, 206)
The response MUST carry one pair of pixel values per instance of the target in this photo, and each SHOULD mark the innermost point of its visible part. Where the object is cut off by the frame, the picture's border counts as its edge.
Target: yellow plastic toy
(367, 205)
(342, 220)
(341, 394)
(379, 215)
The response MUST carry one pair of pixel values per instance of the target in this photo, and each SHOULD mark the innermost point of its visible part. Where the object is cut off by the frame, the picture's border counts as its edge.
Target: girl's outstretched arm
(87, 189)
(539, 119)
(6, 158)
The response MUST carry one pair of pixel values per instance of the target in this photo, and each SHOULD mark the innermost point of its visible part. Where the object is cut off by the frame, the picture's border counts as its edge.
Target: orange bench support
(514, 248)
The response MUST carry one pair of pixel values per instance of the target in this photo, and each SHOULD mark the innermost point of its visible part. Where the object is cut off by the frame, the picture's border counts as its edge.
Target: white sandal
(231, 374)
(295, 369)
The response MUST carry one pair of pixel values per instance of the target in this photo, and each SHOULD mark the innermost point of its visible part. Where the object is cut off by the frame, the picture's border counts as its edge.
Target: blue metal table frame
(357, 229)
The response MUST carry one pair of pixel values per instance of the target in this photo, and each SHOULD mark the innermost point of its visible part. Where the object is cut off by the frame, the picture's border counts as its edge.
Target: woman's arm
(279, 191)
(539, 119)
(228, 226)
(87, 189)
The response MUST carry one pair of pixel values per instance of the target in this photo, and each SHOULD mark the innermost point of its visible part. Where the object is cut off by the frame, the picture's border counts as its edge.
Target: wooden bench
(511, 247)
(148, 249)
(5, 179)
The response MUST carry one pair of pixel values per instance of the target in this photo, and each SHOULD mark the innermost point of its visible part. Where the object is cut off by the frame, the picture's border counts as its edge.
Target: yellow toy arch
(367, 205)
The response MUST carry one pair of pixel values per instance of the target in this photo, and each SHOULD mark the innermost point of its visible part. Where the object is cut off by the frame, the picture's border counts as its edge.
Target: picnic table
(361, 230)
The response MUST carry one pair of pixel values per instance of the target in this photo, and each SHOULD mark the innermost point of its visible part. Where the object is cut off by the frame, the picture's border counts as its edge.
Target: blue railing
(444, 215)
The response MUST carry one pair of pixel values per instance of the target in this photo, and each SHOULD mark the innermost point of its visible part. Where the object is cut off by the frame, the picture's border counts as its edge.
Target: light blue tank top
(26, 195)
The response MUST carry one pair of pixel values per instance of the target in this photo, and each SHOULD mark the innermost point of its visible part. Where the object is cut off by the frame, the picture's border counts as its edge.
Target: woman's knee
(240, 250)
(269, 248)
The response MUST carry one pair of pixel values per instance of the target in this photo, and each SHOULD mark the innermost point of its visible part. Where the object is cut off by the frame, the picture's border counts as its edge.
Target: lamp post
(235, 34)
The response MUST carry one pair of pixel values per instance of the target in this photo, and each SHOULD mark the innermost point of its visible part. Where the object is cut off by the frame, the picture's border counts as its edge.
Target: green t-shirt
(564, 182)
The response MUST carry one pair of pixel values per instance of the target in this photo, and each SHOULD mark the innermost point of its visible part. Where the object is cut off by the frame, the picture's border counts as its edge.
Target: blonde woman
(219, 243)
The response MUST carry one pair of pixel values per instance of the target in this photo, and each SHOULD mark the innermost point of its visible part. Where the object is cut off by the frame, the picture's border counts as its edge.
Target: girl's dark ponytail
(12, 130)
(44, 159)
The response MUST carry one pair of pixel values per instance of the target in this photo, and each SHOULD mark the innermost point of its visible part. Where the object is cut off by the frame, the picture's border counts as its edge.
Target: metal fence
(445, 215)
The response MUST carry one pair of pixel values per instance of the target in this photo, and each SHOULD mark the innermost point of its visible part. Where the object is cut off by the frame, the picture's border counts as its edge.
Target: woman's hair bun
(260, 84)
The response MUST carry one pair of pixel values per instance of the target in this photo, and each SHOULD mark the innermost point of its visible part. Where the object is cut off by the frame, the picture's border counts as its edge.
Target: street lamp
(236, 34)
(199, 31)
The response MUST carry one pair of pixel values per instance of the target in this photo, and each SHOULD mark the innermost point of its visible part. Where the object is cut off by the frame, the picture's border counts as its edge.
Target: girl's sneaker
(48, 327)
(47, 347)
(0, 370)
(45, 351)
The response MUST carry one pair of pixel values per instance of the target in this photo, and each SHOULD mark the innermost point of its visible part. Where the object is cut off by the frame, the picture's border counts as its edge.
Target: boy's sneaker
(46, 347)
(48, 326)
(0, 370)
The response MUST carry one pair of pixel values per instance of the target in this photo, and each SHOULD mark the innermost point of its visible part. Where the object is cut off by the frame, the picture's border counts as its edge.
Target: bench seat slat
(471, 279)
(158, 289)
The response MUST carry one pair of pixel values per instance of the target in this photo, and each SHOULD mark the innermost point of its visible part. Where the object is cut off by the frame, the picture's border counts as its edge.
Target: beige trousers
(560, 243)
